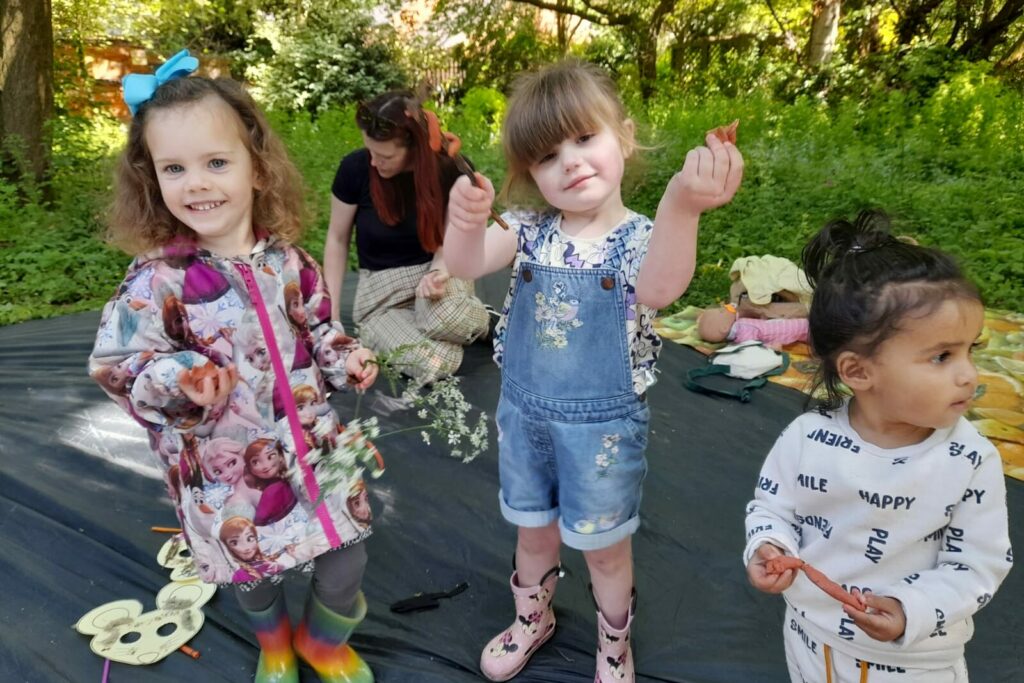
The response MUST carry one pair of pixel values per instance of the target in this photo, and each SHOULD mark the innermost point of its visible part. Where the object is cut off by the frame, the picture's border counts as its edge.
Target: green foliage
(948, 169)
(51, 261)
(502, 39)
(317, 147)
(948, 165)
(328, 57)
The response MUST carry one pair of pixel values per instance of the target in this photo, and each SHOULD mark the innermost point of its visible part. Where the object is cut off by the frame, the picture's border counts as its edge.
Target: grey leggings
(337, 576)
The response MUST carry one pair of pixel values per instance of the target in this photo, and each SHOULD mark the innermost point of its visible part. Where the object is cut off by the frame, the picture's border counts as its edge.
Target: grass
(949, 169)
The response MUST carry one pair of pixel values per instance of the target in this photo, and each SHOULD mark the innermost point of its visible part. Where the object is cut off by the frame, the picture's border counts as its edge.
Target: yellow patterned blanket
(997, 410)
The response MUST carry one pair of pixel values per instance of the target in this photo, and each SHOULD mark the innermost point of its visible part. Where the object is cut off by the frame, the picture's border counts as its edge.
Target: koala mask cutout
(122, 633)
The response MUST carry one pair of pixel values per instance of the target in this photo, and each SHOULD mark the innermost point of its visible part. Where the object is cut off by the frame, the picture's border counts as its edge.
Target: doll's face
(243, 545)
(331, 355)
(117, 378)
(267, 463)
(295, 310)
(226, 467)
(359, 506)
(258, 358)
(307, 412)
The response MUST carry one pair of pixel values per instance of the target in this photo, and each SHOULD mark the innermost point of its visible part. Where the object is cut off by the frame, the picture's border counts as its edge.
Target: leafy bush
(323, 59)
(948, 166)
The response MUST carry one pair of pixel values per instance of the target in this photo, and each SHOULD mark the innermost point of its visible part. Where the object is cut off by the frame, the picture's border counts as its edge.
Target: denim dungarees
(571, 430)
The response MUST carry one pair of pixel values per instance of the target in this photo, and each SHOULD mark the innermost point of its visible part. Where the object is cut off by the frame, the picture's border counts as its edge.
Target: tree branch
(596, 15)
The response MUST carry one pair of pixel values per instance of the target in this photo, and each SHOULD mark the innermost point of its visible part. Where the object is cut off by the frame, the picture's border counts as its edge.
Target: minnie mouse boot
(614, 654)
(508, 652)
(274, 632)
(321, 639)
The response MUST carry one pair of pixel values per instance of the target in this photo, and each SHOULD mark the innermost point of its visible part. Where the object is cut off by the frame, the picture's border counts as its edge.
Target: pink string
(106, 670)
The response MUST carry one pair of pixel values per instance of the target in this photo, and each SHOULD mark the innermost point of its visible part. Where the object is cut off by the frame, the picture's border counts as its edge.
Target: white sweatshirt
(925, 524)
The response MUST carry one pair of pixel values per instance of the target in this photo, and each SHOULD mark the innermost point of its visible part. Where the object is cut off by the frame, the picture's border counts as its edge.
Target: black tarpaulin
(78, 495)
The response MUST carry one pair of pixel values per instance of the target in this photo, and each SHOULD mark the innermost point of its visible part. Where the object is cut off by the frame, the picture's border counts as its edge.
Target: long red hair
(397, 115)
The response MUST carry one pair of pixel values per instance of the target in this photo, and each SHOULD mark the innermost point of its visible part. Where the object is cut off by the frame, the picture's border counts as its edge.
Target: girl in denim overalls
(575, 342)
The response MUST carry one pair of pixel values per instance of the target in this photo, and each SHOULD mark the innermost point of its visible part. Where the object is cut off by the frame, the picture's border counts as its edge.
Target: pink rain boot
(508, 652)
(614, 654)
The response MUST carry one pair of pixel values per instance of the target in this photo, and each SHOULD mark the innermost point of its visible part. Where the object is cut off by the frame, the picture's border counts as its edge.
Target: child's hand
(362, 372)
(432, 284)
(469, 207)
(207, 385)
(759, 576)
(883, 619)
(709, 178)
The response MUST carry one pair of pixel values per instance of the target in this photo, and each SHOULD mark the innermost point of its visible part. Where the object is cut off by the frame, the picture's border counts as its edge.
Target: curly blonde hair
(139, 219)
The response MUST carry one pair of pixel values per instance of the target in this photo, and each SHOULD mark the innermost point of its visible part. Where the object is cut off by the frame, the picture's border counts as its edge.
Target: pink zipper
(283, 389)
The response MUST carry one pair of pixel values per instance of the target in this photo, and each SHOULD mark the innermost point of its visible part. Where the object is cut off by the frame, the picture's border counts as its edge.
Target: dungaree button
(607, 282)
(527, 275)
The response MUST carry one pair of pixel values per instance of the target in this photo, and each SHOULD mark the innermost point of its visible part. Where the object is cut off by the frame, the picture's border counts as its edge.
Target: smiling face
(226, 467)
(243, 544)
(267, 462)
(922, 378)
(582, 174)
(387, 156)
(205, 172)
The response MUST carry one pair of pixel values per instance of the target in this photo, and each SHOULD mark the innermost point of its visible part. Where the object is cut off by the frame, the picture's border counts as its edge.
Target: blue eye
(941, 358)
(173, 168)
(218, 163)
(584, 138)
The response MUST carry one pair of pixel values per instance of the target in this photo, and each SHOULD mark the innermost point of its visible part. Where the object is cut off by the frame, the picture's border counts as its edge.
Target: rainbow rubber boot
(273, 630)
(321, 640)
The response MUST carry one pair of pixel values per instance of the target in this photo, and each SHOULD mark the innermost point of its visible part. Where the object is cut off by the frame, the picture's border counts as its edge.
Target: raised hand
(470, 206)
(710, 176)
(208, 384)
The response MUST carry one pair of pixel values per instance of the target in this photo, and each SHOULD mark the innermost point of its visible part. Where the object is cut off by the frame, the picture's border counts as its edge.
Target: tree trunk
(642, 40)
(914, 19)
(26, 80)
(1014, 54)
(980, 43)
(824, 31)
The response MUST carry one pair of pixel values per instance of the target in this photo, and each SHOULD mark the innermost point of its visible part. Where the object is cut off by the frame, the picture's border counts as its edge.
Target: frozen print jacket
(238, 472)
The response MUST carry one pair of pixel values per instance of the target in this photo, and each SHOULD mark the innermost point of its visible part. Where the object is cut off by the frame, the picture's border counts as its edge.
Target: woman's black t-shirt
(380, 246)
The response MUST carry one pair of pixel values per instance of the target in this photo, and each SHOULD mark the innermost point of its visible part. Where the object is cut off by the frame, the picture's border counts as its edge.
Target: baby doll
(724, 324)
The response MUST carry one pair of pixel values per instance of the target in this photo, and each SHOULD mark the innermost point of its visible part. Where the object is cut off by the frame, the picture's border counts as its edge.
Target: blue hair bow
(139, 88)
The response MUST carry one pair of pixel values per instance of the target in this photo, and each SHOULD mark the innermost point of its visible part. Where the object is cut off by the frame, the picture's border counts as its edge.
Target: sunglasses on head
(374, 125)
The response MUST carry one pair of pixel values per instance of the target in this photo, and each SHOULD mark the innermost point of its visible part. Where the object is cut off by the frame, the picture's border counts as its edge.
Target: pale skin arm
(339, 236)
(709, 178)
(471, 250)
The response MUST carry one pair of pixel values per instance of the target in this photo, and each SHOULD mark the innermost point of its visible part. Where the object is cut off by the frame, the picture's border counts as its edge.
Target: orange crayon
(191, 652)
(165, 529)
